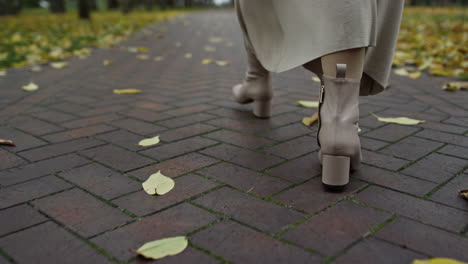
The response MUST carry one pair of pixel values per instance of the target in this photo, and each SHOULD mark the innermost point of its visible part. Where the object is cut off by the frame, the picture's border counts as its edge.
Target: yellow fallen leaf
(31, 87)
(215, 39)
(307, 121)
(316, 79)
(398, 120)
(59, 65)
(414, 75)
(142, 57)
(127, 91)
(455, 86)
(188, 55)
(36, 68)
(3, 72)
(178, 44)
(159, 58)
(210, 49)
(308, 104)
(437, 261)
(222, 63)
(107, 62)
(7, 142)
(133, 49)
(359, 129)
(207, 61)
(149, 141)
(142, 49)
(159, 184)
(464, 194)
(163, 247)
(401, 72)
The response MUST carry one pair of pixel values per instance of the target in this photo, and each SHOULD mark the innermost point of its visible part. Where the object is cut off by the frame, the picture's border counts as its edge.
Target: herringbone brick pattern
(247, 190)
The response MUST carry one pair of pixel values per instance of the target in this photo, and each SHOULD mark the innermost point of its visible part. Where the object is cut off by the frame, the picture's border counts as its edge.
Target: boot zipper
(322, 92)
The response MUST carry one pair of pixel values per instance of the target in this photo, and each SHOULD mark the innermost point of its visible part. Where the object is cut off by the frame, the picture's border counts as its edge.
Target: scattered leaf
(308, 121)
(455, 86)
(308, 104)
(188, 55)
(31, 87)
(159, 184)
(401, 72)
(107, 63)
(222, 63)
(359, 129)
(149, 141)
(210, 49)
(127, 91)
(3, 73)
(59, 65)
(398, 120)
(414, 75)
(207, 61)
(159, 58)
(132, 49)
(142, 49)
(215, 39)
(142, 57)
(437, 261)
(7, 142)
(316, 79)
(36, 68)
(163, 247)
(464, 194)
(178, 44)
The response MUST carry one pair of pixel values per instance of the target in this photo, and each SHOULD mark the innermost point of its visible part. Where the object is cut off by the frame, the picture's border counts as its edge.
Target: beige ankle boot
(337, 135)
(255, 88)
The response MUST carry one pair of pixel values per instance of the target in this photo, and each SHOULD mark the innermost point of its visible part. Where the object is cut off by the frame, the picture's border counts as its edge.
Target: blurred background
(433, 35)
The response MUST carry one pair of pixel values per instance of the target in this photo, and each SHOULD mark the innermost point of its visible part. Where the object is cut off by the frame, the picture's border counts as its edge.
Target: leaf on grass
(149, 141)
(3, 72)
(127, 91)
(207, 61)
(222, 62)
(437, 261)
(7, 142)
(455, 86)
(107, 63)
(159, 58)
(316, 79)
(398, 120)
(308, 104)
(464, 194)
(31, 87)
(188, 55)
(159, 184)
(163, 247)
(59, 65)
(142, 57)
(308, 121)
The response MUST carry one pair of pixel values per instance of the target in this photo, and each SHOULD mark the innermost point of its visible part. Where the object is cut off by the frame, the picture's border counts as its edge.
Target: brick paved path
(247, 190)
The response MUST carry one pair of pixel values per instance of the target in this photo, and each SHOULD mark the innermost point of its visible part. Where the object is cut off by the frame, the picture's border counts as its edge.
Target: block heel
(262, 109)
(335, 172)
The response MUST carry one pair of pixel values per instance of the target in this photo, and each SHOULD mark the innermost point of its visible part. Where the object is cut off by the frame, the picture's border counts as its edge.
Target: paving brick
(35, 126)
(19, 217)
(9, 160)
(447, 194)
(371, 144)
(101, 181)
(443, 127)
(176, 166)
(101, 110)
(294, 148)
(394, 180)
(189, 109)
(40, 168)
(456, 151)
(391, 132)
(422, 210)
(298, 170)
(436, 167)
(382, 160)
(140, 203)
(89, 121)
(137, 126)
(336, 228)
(238, 125)
(185, 132)
(373, 250)
(411, 148)
(81, 212)
(22, 140)
(178, 148)
(247, 158)
(68, 107)
(186, 120)
(58, 149)
(310, 196)
(53, 116)
(152, 106)
(117, 158)
(245, 179)
(123, 138)
(78, 133)
(175, 221)
(235, 242)
(444, 137)
(425, 239)
(146, 115)
(29, 190)
(48, 243)
(260, 214)
(188, 256)
(288, 132)
(235, 138)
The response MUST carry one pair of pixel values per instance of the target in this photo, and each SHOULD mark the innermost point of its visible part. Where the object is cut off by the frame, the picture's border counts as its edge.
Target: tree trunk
(57, 6)
(112, 4)
(149, 5)
(92, 5)
(126, 6)
(83, 9)
(10, 7)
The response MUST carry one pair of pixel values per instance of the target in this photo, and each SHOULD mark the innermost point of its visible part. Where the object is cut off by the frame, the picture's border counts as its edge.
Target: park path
(247, 190)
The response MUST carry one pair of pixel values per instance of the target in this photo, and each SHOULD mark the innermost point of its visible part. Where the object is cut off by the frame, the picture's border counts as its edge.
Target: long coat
(284, 34)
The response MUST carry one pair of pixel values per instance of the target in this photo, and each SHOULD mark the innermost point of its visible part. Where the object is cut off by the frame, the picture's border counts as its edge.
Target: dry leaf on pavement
(7, 142)
(31, 87)
(159, 184)
(163, 247)
(149, 141)
(127, 91)
(398, 120)
(308, 104)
